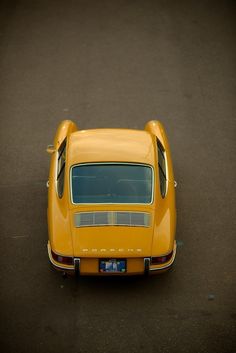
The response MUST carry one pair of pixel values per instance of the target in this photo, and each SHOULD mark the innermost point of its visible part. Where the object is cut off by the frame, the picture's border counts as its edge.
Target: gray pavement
(119, 64)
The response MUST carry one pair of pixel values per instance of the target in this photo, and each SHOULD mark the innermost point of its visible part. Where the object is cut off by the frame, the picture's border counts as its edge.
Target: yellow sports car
(111, 201)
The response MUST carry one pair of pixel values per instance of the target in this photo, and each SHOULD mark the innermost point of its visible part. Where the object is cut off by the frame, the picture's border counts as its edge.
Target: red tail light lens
(158, 260)
(66, 260)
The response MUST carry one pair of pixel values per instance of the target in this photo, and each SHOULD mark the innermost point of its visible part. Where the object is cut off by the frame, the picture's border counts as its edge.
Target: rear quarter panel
(165, 214)
(57, 213)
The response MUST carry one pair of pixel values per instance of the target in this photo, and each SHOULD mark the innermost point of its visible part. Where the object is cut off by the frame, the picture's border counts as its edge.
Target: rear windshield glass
(111, 183)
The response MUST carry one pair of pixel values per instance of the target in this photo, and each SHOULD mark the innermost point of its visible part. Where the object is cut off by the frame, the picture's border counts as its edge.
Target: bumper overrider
(89, 266)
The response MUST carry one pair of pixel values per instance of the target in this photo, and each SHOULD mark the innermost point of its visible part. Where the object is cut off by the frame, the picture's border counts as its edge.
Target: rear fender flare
(156, 128)
(65, 128)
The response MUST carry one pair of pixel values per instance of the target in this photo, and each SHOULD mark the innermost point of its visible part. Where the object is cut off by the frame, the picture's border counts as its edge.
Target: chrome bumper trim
(167, 265)
(77, 266)
(54, 263)
(146, 261)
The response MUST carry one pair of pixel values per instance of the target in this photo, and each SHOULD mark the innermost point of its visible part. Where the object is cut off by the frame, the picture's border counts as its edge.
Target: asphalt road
(119, 64)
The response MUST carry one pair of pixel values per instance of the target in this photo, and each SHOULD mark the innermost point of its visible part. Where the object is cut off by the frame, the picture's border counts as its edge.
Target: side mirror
(51, 149)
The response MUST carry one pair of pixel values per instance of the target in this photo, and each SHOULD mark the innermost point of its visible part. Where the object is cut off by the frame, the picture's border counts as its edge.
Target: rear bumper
(165, 266)
(56, 264)
(89, 266)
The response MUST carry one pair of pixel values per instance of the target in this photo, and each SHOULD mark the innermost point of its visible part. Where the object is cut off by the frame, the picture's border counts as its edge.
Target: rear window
(111, 183)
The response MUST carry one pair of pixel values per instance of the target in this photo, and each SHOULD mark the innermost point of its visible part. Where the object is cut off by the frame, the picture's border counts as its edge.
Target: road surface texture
(119, 64)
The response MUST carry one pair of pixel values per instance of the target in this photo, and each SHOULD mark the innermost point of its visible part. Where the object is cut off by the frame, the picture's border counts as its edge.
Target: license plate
(112, 265)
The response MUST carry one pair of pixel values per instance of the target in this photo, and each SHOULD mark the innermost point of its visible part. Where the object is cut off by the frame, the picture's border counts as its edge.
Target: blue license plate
(112, 265)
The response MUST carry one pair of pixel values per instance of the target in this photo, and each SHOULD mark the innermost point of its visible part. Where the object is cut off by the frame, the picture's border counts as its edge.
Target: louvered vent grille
(112, 218)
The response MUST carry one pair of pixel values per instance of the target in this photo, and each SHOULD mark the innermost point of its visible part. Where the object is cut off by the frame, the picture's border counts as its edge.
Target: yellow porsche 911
(111, 201)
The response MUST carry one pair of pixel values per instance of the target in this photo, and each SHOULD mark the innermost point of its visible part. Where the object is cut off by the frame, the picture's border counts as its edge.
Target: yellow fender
(65, 128)
(164, 233)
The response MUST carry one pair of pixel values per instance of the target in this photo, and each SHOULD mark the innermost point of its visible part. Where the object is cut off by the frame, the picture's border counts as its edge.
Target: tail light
(158, 260)
(66, 260)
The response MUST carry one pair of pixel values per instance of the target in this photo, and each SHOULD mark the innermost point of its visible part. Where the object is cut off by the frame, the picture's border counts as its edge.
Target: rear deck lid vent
(112, 218)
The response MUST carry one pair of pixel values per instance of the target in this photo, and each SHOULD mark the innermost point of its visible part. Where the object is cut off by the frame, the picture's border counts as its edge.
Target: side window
(61, 168)
(161, 168)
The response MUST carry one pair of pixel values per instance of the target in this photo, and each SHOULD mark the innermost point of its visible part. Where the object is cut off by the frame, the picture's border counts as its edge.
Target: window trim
(112, 203)
(162, 150)
(58, 174)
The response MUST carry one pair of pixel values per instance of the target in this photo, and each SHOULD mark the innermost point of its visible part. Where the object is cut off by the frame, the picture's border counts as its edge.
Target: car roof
(111, 145)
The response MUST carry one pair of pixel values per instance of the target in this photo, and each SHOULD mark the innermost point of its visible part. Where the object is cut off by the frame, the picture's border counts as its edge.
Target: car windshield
(112, 183)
